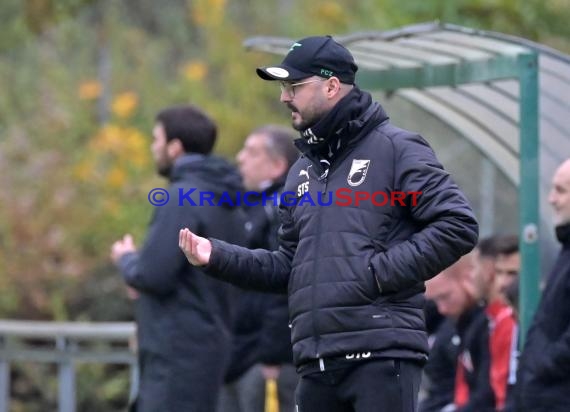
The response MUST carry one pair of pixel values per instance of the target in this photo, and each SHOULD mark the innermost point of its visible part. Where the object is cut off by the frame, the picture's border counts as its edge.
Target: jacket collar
(563, 234)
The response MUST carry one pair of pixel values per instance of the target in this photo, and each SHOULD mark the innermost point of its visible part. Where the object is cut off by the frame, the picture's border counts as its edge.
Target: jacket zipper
(324, 179)
(314, 309)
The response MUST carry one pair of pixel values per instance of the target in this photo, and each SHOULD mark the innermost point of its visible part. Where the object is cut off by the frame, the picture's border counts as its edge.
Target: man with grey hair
(543, 379)
(261, 353)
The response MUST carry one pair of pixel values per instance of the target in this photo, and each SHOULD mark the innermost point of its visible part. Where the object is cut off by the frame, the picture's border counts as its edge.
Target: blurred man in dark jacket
(503, 330)
(438, 381)
(455, 293)
(183, 316)
(262, 339)
(543, 379)
(352, 259)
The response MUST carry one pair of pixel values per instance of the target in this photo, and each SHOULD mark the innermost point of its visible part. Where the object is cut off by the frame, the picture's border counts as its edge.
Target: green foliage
(102, 388)
(544, 21)
(31, 391)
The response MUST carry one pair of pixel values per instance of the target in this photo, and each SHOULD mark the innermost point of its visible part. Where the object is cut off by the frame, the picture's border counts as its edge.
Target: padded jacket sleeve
(155, 268)
(257, 269)
(448, 226)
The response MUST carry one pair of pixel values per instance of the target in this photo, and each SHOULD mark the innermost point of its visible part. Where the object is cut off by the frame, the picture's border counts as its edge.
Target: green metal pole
(528, 191)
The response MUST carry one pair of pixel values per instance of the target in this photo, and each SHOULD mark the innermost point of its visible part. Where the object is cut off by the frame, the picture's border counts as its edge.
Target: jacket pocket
(373, 287)
(378, 248)
(372, 274)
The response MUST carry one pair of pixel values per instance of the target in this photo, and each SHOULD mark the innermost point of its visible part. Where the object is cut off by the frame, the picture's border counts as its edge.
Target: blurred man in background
(261, 352)
(543, 380)
(183, 316)
(497, 267)
(438, 380)
(455, 295)
(440, 371)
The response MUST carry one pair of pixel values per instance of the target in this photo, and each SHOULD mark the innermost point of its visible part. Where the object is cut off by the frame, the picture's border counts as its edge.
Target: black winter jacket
(355, 274)
(440, 368)
(261, 333)
(183, 316)
(543, 378)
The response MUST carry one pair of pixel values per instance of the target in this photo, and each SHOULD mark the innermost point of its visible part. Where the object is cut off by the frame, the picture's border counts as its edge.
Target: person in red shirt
(496, 268)
(455, 294)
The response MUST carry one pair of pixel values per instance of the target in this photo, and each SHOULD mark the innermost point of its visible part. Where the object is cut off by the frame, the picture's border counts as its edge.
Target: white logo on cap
(277, 72)
(295, 45)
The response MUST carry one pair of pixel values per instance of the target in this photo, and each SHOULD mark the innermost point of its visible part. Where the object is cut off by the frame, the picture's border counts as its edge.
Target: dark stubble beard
(305, 122)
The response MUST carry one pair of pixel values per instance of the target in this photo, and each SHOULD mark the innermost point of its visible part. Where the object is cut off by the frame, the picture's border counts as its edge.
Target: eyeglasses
(289, 88)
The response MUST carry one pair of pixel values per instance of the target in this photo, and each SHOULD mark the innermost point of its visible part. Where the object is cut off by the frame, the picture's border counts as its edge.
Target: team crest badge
(358, 171)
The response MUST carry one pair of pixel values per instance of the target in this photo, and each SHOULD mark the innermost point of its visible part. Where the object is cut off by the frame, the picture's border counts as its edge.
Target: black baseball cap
(313, 56)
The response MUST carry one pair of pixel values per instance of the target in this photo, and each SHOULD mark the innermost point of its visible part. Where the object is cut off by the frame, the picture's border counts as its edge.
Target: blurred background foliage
(81, 81)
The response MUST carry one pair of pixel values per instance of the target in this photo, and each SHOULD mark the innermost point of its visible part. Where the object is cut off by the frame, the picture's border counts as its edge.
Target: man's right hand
(196, 249)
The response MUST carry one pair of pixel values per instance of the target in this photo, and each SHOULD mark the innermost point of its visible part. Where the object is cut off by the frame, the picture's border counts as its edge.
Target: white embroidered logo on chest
(358, 171)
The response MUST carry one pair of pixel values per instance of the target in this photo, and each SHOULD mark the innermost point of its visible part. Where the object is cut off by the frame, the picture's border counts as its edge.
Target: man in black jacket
(543, 378)
(438, 381)
(455, 294)
(183, 316)
(262, 340)
(368, 214)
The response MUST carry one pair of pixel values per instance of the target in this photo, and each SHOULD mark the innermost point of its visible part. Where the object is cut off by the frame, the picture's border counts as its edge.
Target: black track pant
(381, 385)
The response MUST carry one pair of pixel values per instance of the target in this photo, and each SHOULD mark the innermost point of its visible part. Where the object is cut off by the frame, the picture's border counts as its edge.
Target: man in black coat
(262, 339)
(455, 294)
(367, 215)
(438, 380)
(543, 378)
(183, 316)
